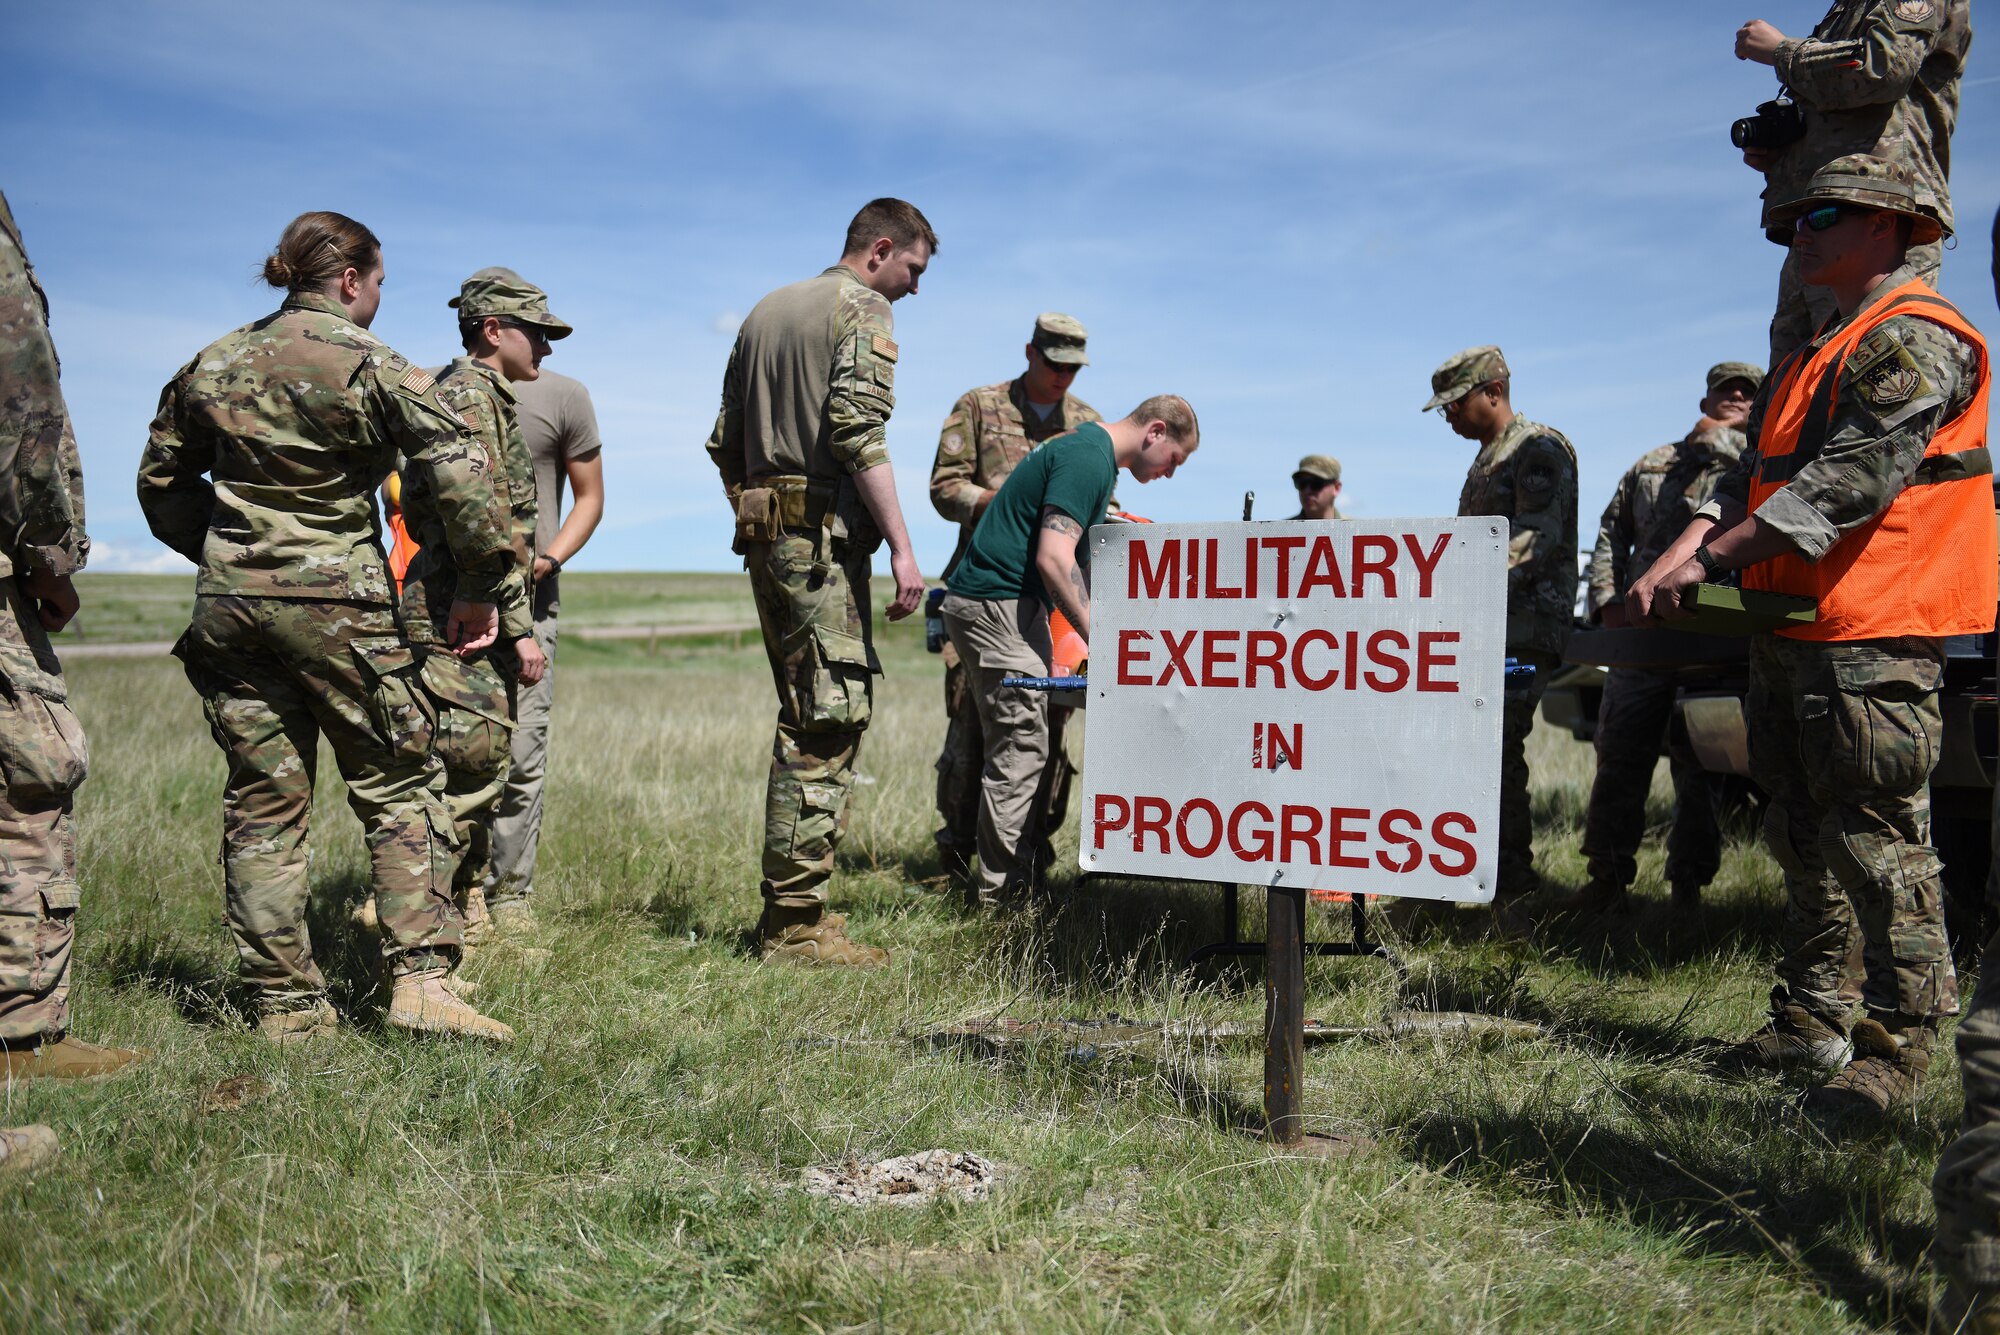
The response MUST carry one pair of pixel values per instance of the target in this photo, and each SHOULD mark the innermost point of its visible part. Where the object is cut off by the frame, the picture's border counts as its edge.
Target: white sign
(1312, 703)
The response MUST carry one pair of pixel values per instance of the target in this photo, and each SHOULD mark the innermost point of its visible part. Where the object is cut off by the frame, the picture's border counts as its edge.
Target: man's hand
(543, 567)
(909, 584)
(1758, 41)
(1656, 596)
(534, 663)
(54, 597)
(1612, 616)
(470, 627)
(1763, 159)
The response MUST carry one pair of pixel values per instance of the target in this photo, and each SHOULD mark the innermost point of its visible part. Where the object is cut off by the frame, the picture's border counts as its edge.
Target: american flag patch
(418, 381)
(884, 348)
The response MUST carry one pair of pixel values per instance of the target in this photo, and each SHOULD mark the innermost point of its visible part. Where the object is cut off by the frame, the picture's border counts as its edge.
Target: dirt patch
(909, 1179)
(236, 1092)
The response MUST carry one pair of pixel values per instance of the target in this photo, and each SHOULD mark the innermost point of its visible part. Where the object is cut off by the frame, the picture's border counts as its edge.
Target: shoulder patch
(954, 443)
(883, 346)
(1893, 383)
(1914, 11)
(417, 380)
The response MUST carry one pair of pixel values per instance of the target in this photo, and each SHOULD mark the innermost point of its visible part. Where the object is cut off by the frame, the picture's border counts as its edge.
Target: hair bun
(276, 272)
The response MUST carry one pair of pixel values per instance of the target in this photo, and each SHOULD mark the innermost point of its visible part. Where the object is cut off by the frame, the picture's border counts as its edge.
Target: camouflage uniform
(1844, 734)
(1527, 475)
(1966, 1188)
(805, 405)
(1878, 77)
(475, 697)
(42, 751)
(297, 418)
(1654, 502)
(988, 431)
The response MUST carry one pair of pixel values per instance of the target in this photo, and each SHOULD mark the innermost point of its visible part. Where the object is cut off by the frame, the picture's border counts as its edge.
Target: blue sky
(1288, 213)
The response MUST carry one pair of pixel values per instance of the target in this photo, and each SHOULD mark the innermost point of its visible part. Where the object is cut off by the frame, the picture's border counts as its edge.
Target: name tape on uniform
(1312, 703)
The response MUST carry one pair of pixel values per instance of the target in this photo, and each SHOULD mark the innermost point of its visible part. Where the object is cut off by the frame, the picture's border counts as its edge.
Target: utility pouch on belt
(756, 517)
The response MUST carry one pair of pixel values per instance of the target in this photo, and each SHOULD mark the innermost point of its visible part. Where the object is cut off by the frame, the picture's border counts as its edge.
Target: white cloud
(118, 558)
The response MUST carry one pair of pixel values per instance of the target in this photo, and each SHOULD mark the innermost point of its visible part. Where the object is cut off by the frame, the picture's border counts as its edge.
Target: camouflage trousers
(1966, 1187)
(1802, 310)
(997, 638)
(1843, 738)
(474, 703)
(517, 817)
(820, 642)
(1632, 723)
(275, 675)
(43, 757)
(964, 756)
(1515, 874)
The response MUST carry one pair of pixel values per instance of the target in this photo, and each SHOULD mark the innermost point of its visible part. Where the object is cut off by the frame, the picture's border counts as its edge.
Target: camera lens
(1744, 132)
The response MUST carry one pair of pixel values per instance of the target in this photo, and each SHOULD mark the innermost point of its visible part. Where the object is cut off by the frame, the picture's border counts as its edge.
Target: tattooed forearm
(1057, 522)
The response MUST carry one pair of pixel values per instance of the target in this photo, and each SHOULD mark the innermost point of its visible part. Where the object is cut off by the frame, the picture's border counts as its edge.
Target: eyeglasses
(1447, 409)
(1307, 482)
(1819, 219)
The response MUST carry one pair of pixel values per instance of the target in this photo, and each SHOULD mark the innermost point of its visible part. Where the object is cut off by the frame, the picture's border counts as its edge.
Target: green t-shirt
(1075, 473)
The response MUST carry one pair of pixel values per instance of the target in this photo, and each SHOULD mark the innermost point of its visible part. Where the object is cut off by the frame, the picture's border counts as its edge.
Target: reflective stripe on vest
(1930, 563)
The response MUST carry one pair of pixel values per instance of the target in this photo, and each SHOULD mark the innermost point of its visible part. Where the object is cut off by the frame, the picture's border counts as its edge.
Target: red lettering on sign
(1259, 849)
(1193, 566)
(1284, 547)
(1426, 565)
(1157, 580)
(1211, 589)
(1322, 569)
(1177, 657)
(1207, 809)
(1338, 836)
(1112, 813)
(1214, 657)
(1449, 820)
(1264, 649)
(1412, 851)
(1150, 816)
(1399, 669)
(1280, 750)
(1298, 825)
(1383, 566)
(1132, 656)
(1249, 567)
(1429, 660)
(1299, 673)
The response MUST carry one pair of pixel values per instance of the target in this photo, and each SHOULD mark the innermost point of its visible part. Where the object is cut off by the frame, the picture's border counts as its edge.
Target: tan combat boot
(23, 1149)
(364, 916)
(479, 923)
(299, 1024)
(67, 1058)
(813, 936)
(1794, 1036)
(513, 918)
(423, 1004)
(1887, 1071)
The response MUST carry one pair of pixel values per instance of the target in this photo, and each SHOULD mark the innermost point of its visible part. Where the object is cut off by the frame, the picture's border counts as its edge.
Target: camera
(1778, 124)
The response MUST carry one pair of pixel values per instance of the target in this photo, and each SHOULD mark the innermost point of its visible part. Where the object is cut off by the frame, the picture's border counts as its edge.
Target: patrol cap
(503, 292)
(1871, 182)
(1317, 468)
(1722, 373)
(1060, 338)
(1465, 372)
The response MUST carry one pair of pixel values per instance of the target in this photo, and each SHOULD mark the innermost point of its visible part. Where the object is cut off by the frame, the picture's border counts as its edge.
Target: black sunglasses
(1819, 219)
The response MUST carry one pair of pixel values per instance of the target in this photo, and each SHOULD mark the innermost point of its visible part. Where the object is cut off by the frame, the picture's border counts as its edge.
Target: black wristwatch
(1710, 567)
(555, 566)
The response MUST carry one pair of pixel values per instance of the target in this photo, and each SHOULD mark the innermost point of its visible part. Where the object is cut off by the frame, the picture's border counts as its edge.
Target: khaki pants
(517, 820)
(998, 638)
(42, 761)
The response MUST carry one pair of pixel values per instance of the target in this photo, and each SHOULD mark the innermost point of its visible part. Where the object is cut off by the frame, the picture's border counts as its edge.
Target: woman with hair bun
(261, 468)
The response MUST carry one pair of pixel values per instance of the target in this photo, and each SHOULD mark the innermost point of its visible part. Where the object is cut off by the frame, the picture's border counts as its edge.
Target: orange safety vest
(1927, 565)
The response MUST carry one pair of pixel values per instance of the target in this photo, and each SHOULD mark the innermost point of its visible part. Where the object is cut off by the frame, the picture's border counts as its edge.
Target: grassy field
(633, 1162)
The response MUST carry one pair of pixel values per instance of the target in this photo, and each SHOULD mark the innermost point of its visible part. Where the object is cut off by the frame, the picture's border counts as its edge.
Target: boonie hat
(503, 292)
(1319, 468)
(1873, 183)
(1060, 338)
(1465, 372)
(1722, 373)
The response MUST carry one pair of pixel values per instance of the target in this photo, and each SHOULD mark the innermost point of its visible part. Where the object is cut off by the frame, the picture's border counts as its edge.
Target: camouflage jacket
(1876, 76)
(1654, 502)
(1882, 422)
(987, 432)
(41, 478)
(490, 475)
(809, 388)
(1528, 477)
(297, 418)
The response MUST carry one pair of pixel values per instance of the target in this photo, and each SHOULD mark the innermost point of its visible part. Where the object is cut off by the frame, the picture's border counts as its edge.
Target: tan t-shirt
(558, 424)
